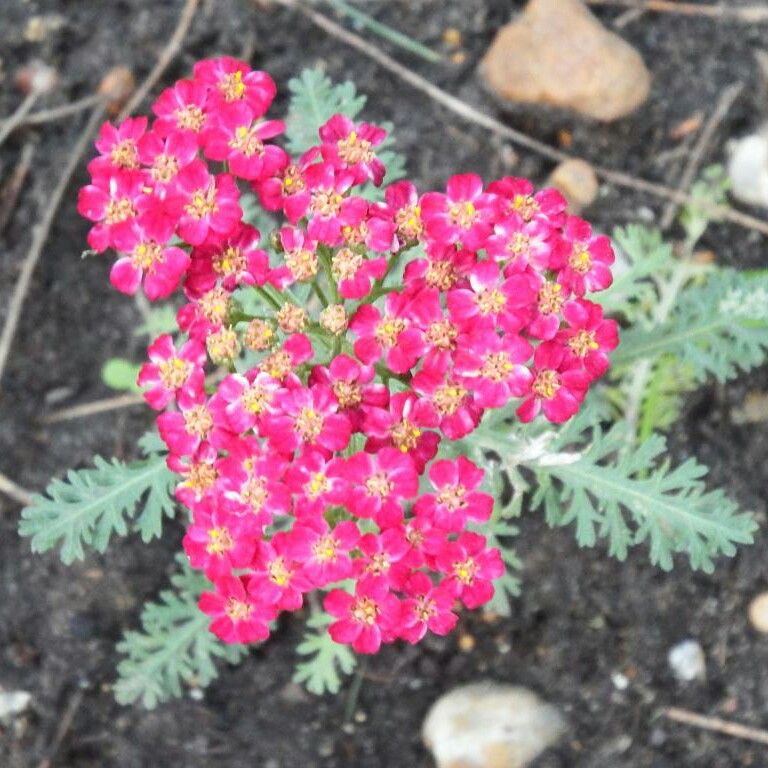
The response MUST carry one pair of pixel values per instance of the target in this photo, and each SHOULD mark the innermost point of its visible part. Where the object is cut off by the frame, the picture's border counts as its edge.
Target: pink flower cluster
(303, 469)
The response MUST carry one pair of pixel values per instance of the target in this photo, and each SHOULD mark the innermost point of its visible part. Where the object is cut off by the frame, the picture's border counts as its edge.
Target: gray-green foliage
(324, 660)
(90, 505)
(174, 646)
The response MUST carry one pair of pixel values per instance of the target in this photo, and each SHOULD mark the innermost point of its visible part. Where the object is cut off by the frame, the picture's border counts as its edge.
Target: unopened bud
(223, 346)
(259, 336)
(291, 318)
(334, 319)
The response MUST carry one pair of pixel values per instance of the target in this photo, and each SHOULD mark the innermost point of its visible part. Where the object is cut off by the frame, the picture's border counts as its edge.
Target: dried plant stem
(751, 14)
(17, 118)
(92, 408)
(619, 178)
(716, 724)
(65, 110)
(15, 491)
(172, 47)
(726, 101)
(41, 235)
(10, 192)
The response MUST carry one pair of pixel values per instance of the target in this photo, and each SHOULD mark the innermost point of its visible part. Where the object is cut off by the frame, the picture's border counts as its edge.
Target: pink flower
(306, 417)
(521, 244)
(492, 301)
(149, 257)
(118, 150)
(402, 425)
(210, 203)
(464, 215)
(231, 80)
(218, 542)
(587, 259)
(426, 607)
(381, 556)
(322, 551)
(242, 400)
(234, 261)
(167, 155)
(557, 386)
(471, 569)
(318, 482)
(183, 431)
(277, 578)
(588, 337)
(351, 147)
(168, 373)
(453, 408)
(392, 334)
(287, 189)
(378, 483)
(238, 616)
(354, 272)
(456, 500)
(365, 620)
(113, 201)
(402, 204)
(492, 367)
(235, 138)
(181, 107)
(516, 196)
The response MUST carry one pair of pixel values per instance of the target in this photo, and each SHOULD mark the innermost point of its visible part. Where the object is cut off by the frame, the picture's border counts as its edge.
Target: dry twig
(619, 178)
(65, 724)
(18, 116)
(92, 408)
(727, 98)
(172, 47)
(10, 192)
(717, 724)
(41, 235)
(750, 14)
(15, 491)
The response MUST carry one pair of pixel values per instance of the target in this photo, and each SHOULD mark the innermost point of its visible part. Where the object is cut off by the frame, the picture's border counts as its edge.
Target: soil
(581, 618)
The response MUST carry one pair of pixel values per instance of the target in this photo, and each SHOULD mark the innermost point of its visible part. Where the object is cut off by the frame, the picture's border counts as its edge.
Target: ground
(581, 616)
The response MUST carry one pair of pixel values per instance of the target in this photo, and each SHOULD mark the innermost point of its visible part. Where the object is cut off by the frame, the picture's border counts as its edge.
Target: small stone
(687, 661)
(486, 725)
(620, 681)
(753, 410)
(758, 612)
(558, 54)
(13, 703)
(40, 27)
(577, 181)
(748, 168)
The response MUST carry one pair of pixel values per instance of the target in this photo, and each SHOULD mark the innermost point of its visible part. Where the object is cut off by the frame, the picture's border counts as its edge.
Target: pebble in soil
(558, 54)
(485, 725)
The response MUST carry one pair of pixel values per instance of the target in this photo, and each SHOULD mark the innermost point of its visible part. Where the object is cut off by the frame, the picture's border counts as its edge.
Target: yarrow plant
(302, 469)
(330, 394)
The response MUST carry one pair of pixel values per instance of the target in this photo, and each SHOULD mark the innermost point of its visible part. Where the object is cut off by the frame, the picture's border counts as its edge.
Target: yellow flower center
(546, 383)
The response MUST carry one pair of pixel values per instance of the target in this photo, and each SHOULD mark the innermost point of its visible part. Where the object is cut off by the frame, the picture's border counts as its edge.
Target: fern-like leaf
(326, 661)
(92, 504)
(633, 495)
(719, 328)
(173, 647)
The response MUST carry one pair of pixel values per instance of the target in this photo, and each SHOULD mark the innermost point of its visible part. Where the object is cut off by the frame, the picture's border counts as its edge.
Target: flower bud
(334, 319)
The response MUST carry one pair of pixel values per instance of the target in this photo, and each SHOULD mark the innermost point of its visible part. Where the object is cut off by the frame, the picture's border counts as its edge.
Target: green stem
(383, 31)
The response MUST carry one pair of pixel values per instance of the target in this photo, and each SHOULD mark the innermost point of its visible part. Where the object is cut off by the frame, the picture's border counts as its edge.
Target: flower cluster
(311, 461)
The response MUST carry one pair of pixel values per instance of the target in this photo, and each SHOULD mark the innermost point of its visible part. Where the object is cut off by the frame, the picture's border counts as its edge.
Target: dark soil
(581, 617)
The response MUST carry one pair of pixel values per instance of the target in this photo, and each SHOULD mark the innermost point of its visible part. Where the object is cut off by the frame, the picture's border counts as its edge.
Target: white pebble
(13, 703)
(485, 725)
(687, 661)
(748, 168)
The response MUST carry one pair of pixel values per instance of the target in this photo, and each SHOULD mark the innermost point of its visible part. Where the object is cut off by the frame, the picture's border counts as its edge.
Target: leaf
(120, 374)
(631, 495)
(173, 647)
(328, 660)
(92, 504)
(718, 328)
(314, 100)
(159, 319)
